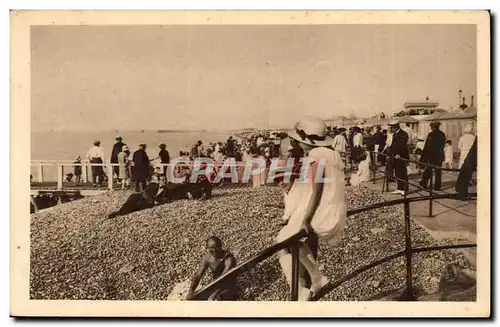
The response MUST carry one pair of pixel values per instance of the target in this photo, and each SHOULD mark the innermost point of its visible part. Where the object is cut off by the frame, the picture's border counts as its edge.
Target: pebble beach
(77, 253)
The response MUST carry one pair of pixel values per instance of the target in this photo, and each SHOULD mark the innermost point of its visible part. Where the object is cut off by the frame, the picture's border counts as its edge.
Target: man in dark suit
(140, 168)
(164, 157)
(379, 142)
(398, 149)
(117, 148)
(433, 154)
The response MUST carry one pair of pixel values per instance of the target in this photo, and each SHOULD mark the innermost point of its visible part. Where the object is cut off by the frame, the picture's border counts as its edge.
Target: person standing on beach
(164, 157)
(230, 147)
(448, 155)
(78, 170)
(196, 150)
(357, 145)
(124, 167)
(379, 143)
(117, 148)
(398, 149)
(433, 154)
(141, 168)
(320, 207)
(95, 155)
(339, 142)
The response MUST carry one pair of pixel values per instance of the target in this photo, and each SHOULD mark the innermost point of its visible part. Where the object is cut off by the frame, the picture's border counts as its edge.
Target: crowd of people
(397, 148)
(401, 151)
(140, 169)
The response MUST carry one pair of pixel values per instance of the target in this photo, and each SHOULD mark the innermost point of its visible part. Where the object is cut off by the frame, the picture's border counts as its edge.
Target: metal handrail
(426, 164)
(292, 242)
(385, 183)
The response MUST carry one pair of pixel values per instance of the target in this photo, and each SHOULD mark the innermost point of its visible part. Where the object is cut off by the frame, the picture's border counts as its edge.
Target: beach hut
(424, 124)
(408, 120)
(454, 122)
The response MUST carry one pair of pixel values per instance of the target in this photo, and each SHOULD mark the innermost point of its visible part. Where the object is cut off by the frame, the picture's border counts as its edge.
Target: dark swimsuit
(227, 290)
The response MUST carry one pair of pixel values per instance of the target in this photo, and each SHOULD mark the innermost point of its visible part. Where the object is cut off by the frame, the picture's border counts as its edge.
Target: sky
(230, 77)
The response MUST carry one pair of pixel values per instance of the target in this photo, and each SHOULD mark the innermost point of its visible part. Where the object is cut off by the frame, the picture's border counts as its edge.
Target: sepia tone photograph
(260, 159)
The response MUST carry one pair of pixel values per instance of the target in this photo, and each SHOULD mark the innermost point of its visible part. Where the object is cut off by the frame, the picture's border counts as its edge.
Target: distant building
(342, 121)
(418, 109)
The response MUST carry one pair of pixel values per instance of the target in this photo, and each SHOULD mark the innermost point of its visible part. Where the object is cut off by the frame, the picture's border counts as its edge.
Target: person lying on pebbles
(159, 192)
(220, 262)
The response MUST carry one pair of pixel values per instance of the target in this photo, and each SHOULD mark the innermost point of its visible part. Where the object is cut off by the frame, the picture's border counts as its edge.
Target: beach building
(421, 108)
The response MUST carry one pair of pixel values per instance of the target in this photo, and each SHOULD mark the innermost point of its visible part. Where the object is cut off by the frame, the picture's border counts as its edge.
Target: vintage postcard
(288, 163)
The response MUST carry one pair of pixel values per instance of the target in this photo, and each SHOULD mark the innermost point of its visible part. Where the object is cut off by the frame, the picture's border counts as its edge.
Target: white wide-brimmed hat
(393, 122)
(311, 131)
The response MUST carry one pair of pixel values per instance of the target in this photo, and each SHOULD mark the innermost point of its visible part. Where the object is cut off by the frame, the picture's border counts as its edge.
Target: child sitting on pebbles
(363, 172)
(319, 202)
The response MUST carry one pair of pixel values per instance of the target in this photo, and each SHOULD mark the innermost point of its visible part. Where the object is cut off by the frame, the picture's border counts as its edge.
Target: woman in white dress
(124, 166)
(318, 202)
(465, 143)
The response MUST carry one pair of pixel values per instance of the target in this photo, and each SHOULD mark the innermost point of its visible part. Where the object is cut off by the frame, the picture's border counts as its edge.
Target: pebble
(377, 230)
(126, 269)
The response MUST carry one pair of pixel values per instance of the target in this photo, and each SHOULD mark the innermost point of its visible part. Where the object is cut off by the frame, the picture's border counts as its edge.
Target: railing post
(110, 177)
(40, 172)
(389, 169)
(85, 175)
(385, 177)
(431, 187)
(374, 168)
(60, 177)
(295, 271)
(408, 253)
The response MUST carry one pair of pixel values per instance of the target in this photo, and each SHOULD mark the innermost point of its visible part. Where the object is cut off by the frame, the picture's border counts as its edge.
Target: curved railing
(293, 244)
(387, 176)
